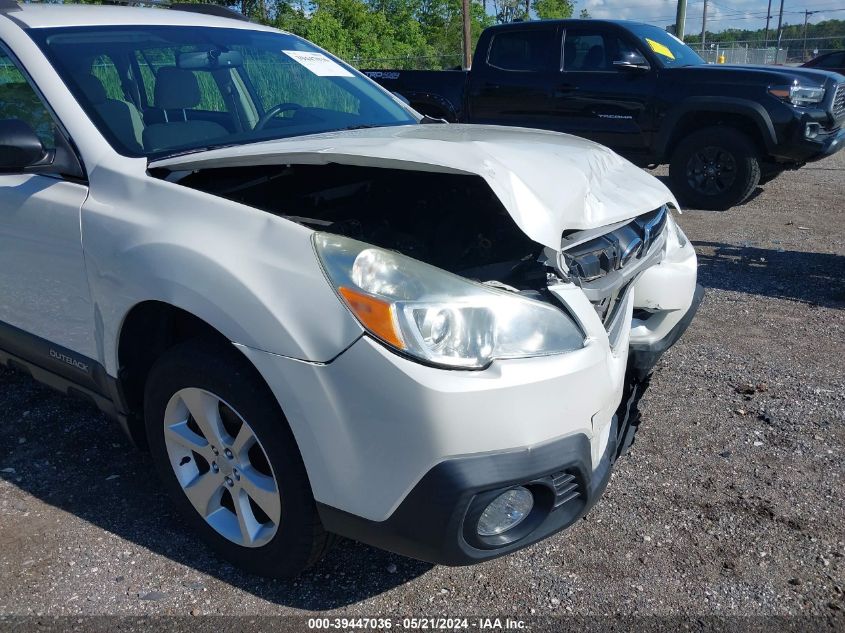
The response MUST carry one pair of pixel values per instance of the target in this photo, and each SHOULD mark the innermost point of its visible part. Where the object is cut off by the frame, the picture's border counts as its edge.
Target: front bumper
(643, 356)
(404, 456)
(798, 148)
(371, 423)
(832, 143)
(433, 522)
(827, 143)
(436, 520)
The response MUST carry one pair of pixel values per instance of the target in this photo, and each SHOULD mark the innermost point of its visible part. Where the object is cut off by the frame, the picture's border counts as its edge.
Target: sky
(721, 14)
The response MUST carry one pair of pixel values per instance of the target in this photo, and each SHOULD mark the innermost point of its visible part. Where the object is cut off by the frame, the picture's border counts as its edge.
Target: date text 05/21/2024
(433, 623)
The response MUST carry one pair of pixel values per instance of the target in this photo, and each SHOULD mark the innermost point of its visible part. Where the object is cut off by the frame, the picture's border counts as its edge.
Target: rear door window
(529, 50)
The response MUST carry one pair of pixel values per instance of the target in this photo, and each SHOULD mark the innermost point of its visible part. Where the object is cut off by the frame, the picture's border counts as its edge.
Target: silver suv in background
(322, 313)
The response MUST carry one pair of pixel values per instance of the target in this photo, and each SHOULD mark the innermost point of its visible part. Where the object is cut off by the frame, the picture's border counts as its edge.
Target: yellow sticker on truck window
(660, 49)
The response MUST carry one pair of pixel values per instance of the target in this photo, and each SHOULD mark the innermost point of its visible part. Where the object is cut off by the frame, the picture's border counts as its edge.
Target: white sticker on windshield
(319, 64)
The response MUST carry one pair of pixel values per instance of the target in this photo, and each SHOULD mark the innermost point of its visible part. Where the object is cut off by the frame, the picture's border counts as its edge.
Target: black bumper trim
(429, 523)
(799, 149)
(643, 358)
(833, 144)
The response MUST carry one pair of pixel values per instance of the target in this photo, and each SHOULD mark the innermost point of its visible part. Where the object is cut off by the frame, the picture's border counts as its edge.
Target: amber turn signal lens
(375, 314)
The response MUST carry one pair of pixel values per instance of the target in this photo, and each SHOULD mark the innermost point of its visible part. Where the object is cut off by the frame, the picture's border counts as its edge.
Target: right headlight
(438, 317)
(799, 95)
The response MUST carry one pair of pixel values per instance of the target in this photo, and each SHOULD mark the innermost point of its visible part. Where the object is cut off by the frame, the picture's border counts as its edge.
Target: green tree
(510, 10)
(384, 33)
(552, 9)
(377, 33)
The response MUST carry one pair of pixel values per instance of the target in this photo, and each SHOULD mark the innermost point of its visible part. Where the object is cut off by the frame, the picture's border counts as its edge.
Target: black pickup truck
(642, 92)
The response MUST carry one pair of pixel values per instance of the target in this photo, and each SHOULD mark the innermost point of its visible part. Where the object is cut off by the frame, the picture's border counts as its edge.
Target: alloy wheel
(711, 170)
(222, 467)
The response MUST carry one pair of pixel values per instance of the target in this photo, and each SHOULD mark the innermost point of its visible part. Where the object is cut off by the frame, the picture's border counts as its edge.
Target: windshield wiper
(363, 126)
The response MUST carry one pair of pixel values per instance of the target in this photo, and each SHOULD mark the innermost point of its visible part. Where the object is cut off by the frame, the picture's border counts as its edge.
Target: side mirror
(21, 151)
(632, 61)
(20, 147)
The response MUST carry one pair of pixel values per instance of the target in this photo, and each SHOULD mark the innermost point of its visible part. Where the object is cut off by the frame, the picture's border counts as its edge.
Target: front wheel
(714, 168)
(226, 455)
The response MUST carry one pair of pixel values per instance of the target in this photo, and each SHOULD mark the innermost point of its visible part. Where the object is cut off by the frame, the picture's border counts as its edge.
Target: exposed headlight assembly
(438, 317)
(799, 95)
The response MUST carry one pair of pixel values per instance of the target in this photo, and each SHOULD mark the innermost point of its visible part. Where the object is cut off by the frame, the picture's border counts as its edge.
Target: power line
(742, 17)
(726, 13)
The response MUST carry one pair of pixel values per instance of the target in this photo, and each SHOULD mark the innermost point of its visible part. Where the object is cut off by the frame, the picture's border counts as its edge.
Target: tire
(714, 168)
(254, 490)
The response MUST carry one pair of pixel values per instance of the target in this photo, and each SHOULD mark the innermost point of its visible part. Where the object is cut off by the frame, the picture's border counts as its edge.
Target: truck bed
(437, 93)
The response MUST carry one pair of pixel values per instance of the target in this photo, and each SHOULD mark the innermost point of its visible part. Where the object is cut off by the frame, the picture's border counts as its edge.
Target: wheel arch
(699, 112)
(148, 331)
(433, 105)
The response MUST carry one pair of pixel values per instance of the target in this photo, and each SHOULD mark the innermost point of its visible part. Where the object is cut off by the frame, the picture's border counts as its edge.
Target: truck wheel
(714, 168)
(226, 455)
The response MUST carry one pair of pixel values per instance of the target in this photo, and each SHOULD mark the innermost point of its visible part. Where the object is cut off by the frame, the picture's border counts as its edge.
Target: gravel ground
(730, 502)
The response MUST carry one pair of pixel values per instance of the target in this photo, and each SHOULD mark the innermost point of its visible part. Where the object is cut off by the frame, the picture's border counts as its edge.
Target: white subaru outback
(322, 313)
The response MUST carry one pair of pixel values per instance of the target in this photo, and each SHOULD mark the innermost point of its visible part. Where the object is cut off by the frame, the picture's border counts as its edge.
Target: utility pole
(780, 30)
(704, 26)
(807, 15)
(768, 17)
(680, 19)
(467, 34)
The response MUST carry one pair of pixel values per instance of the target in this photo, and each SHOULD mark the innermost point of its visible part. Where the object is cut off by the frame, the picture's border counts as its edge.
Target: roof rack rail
(133, 3)
(209, 9)
(206, 9)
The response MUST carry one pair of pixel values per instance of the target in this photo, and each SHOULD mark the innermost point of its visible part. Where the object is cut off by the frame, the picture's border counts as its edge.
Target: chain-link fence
(791, 51)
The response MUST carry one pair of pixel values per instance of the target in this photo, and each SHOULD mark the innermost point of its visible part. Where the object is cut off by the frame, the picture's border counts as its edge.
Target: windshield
(671, 51)
(159, 90)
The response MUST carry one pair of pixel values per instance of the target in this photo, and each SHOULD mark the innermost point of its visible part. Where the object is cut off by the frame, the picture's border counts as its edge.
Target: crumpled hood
(548, 182)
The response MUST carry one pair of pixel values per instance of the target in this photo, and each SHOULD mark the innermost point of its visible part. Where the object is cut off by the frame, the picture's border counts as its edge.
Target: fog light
(812, 130)
(506, 511)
